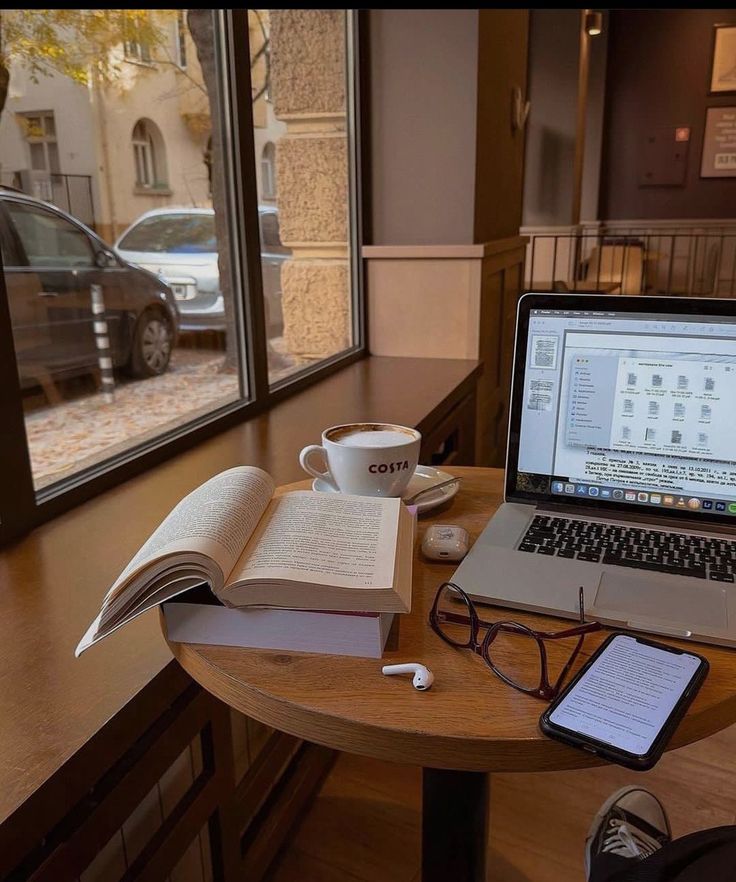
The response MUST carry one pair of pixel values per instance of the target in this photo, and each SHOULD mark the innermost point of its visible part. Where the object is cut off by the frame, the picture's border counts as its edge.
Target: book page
(324, 539)
(215, 520)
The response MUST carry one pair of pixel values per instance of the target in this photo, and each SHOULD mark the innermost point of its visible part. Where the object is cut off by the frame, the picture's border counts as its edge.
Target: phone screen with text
(626, 696)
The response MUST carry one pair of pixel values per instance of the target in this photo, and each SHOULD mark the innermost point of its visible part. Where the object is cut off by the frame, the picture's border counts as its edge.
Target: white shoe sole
(603, 811)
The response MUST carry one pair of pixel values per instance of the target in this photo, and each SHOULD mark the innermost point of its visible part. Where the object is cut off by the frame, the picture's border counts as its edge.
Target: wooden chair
(617, 263)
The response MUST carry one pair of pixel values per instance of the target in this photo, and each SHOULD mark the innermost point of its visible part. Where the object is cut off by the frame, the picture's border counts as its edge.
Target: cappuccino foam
(380, 438)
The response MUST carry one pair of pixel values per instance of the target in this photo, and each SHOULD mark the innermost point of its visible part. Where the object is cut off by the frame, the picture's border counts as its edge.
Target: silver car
(180, 246)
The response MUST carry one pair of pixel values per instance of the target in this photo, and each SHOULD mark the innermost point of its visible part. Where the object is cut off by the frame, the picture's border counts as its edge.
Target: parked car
(51, 260)
(180, 245)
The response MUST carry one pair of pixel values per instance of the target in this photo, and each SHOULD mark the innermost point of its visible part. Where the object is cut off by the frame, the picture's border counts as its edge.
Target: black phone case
(638, 763)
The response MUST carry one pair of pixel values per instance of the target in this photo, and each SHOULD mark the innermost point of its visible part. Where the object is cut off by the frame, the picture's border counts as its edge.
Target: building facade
(109, 151)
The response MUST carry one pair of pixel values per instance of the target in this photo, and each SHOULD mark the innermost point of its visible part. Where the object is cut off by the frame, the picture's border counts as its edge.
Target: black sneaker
(631, 823)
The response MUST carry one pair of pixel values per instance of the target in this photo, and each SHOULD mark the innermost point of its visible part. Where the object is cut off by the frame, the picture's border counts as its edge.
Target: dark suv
(51, 260)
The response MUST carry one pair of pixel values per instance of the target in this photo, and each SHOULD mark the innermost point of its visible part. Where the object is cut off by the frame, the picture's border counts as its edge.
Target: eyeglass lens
(516, 655)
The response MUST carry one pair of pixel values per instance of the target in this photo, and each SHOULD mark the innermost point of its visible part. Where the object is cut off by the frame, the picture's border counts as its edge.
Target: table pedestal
(454, 825)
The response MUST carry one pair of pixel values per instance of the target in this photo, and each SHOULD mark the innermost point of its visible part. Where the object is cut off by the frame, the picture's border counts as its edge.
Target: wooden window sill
(152, 191)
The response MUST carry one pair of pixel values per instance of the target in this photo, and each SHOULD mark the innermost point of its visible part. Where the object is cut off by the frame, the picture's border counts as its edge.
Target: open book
(298, 550)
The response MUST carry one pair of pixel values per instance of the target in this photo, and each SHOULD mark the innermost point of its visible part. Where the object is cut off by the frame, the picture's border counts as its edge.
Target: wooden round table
(470, 722)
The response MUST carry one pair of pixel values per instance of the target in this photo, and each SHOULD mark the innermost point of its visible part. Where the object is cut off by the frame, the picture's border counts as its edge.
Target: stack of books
(235, 565)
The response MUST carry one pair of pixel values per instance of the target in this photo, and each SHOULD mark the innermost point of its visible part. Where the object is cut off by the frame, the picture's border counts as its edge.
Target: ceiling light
(593, 23)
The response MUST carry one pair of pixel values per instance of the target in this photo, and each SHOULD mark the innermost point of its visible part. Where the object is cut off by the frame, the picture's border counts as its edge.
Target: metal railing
(71, 193)
(694, 263)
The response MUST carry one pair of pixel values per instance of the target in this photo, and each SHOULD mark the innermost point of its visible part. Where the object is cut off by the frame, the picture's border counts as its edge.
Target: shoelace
(626, 841)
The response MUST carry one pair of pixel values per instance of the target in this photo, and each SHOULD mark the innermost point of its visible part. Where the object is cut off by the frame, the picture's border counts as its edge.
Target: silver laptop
(621, 467)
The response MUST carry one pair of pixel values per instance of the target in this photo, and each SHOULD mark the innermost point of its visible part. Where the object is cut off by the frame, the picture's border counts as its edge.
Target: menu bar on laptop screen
(635, 408)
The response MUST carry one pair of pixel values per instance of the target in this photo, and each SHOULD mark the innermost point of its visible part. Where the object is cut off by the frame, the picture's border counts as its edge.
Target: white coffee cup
(367, 459)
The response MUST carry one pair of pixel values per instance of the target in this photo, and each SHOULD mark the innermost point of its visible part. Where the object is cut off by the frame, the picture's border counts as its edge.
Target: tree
(76, 43)
(202, 31)
(84, 44)
(200, 22)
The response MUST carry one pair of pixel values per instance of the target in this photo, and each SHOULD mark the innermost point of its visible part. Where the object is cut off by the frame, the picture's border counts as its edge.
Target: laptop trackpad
(626, 596)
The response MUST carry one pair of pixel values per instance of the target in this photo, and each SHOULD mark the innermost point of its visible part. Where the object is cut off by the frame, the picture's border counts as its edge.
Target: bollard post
(102, 341)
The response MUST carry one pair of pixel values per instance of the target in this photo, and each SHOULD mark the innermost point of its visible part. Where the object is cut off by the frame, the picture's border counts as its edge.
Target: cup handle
(325, 476)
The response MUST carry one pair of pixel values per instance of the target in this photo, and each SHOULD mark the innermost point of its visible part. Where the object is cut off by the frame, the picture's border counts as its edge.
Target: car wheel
(151, 350)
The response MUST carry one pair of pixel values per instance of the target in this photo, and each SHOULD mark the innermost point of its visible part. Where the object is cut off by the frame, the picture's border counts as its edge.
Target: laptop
(621, 467)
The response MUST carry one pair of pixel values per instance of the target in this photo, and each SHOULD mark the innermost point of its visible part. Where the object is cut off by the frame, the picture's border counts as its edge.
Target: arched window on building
(268, 171)
(149, 155)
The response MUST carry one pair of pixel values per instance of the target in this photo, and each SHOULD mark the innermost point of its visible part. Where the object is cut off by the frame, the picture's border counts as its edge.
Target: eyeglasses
(519, 655)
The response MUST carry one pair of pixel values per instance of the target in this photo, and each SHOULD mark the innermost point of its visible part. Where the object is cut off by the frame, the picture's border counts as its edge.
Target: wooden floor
(365, 825)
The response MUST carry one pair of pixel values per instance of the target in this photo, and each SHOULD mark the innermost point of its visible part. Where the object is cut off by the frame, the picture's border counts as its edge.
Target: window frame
(143, 156)
(44, 140)
(268, 171)
(180, 40)
(137, 52)
(149, 156)
(21, 506)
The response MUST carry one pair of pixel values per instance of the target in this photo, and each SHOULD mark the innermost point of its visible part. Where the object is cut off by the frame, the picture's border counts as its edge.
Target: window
(308, 231)
(179, 233)
(179, 275)
(135, 51)
(181, 40)
(148, 155)
(270, 236)
(268, 171)
(137, 48)
(48, 239)
(40, 134)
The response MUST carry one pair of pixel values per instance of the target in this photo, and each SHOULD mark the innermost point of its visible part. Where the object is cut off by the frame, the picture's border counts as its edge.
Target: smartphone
(627, 701)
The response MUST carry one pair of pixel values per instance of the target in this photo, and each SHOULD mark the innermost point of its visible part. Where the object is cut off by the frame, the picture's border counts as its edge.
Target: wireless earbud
(423, 677)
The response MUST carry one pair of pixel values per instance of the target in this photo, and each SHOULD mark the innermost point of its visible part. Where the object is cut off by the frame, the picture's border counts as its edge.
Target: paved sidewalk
(71, 436)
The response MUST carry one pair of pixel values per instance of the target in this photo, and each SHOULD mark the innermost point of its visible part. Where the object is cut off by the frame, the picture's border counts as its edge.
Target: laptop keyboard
(678, 553)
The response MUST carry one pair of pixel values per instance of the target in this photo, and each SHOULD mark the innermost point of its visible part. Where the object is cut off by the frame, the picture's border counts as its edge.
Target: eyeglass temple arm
(566, 669)
(582, 628)
(547, 635)
(571, 632)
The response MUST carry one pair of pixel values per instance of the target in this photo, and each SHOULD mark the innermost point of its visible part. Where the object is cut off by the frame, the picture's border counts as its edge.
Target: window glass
(300, 79)
(149, 154)
(53, 154)
(268, 172)
(270, 238)
(117, 141)
(40, 132)
(173, 234)
(49, 240)
(8, 246)
(181, 40)
(38, 157)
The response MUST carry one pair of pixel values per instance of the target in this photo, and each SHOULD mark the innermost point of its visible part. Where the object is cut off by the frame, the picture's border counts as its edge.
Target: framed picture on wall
(719, 143)
(723, 67)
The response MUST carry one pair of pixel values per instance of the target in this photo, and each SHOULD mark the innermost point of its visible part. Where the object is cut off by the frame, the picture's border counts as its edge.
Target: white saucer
(423, 477)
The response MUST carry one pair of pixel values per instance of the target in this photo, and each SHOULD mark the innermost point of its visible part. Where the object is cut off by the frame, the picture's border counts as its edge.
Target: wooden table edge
(401, 746)
(383, 742)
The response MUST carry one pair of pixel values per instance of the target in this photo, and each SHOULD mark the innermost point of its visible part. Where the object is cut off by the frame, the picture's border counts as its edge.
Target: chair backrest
(617, 263)
(704, 281)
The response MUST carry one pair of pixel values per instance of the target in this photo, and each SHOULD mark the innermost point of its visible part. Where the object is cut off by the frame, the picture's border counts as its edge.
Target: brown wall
(659, 75)
(554, 52)
(502, 66)
(554, 43)
(423, 94)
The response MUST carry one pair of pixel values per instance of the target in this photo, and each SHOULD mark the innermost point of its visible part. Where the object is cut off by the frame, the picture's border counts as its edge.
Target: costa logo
(388, 467)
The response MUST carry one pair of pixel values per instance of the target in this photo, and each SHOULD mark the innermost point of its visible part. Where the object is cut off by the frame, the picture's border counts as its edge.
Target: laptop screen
(625, 407)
